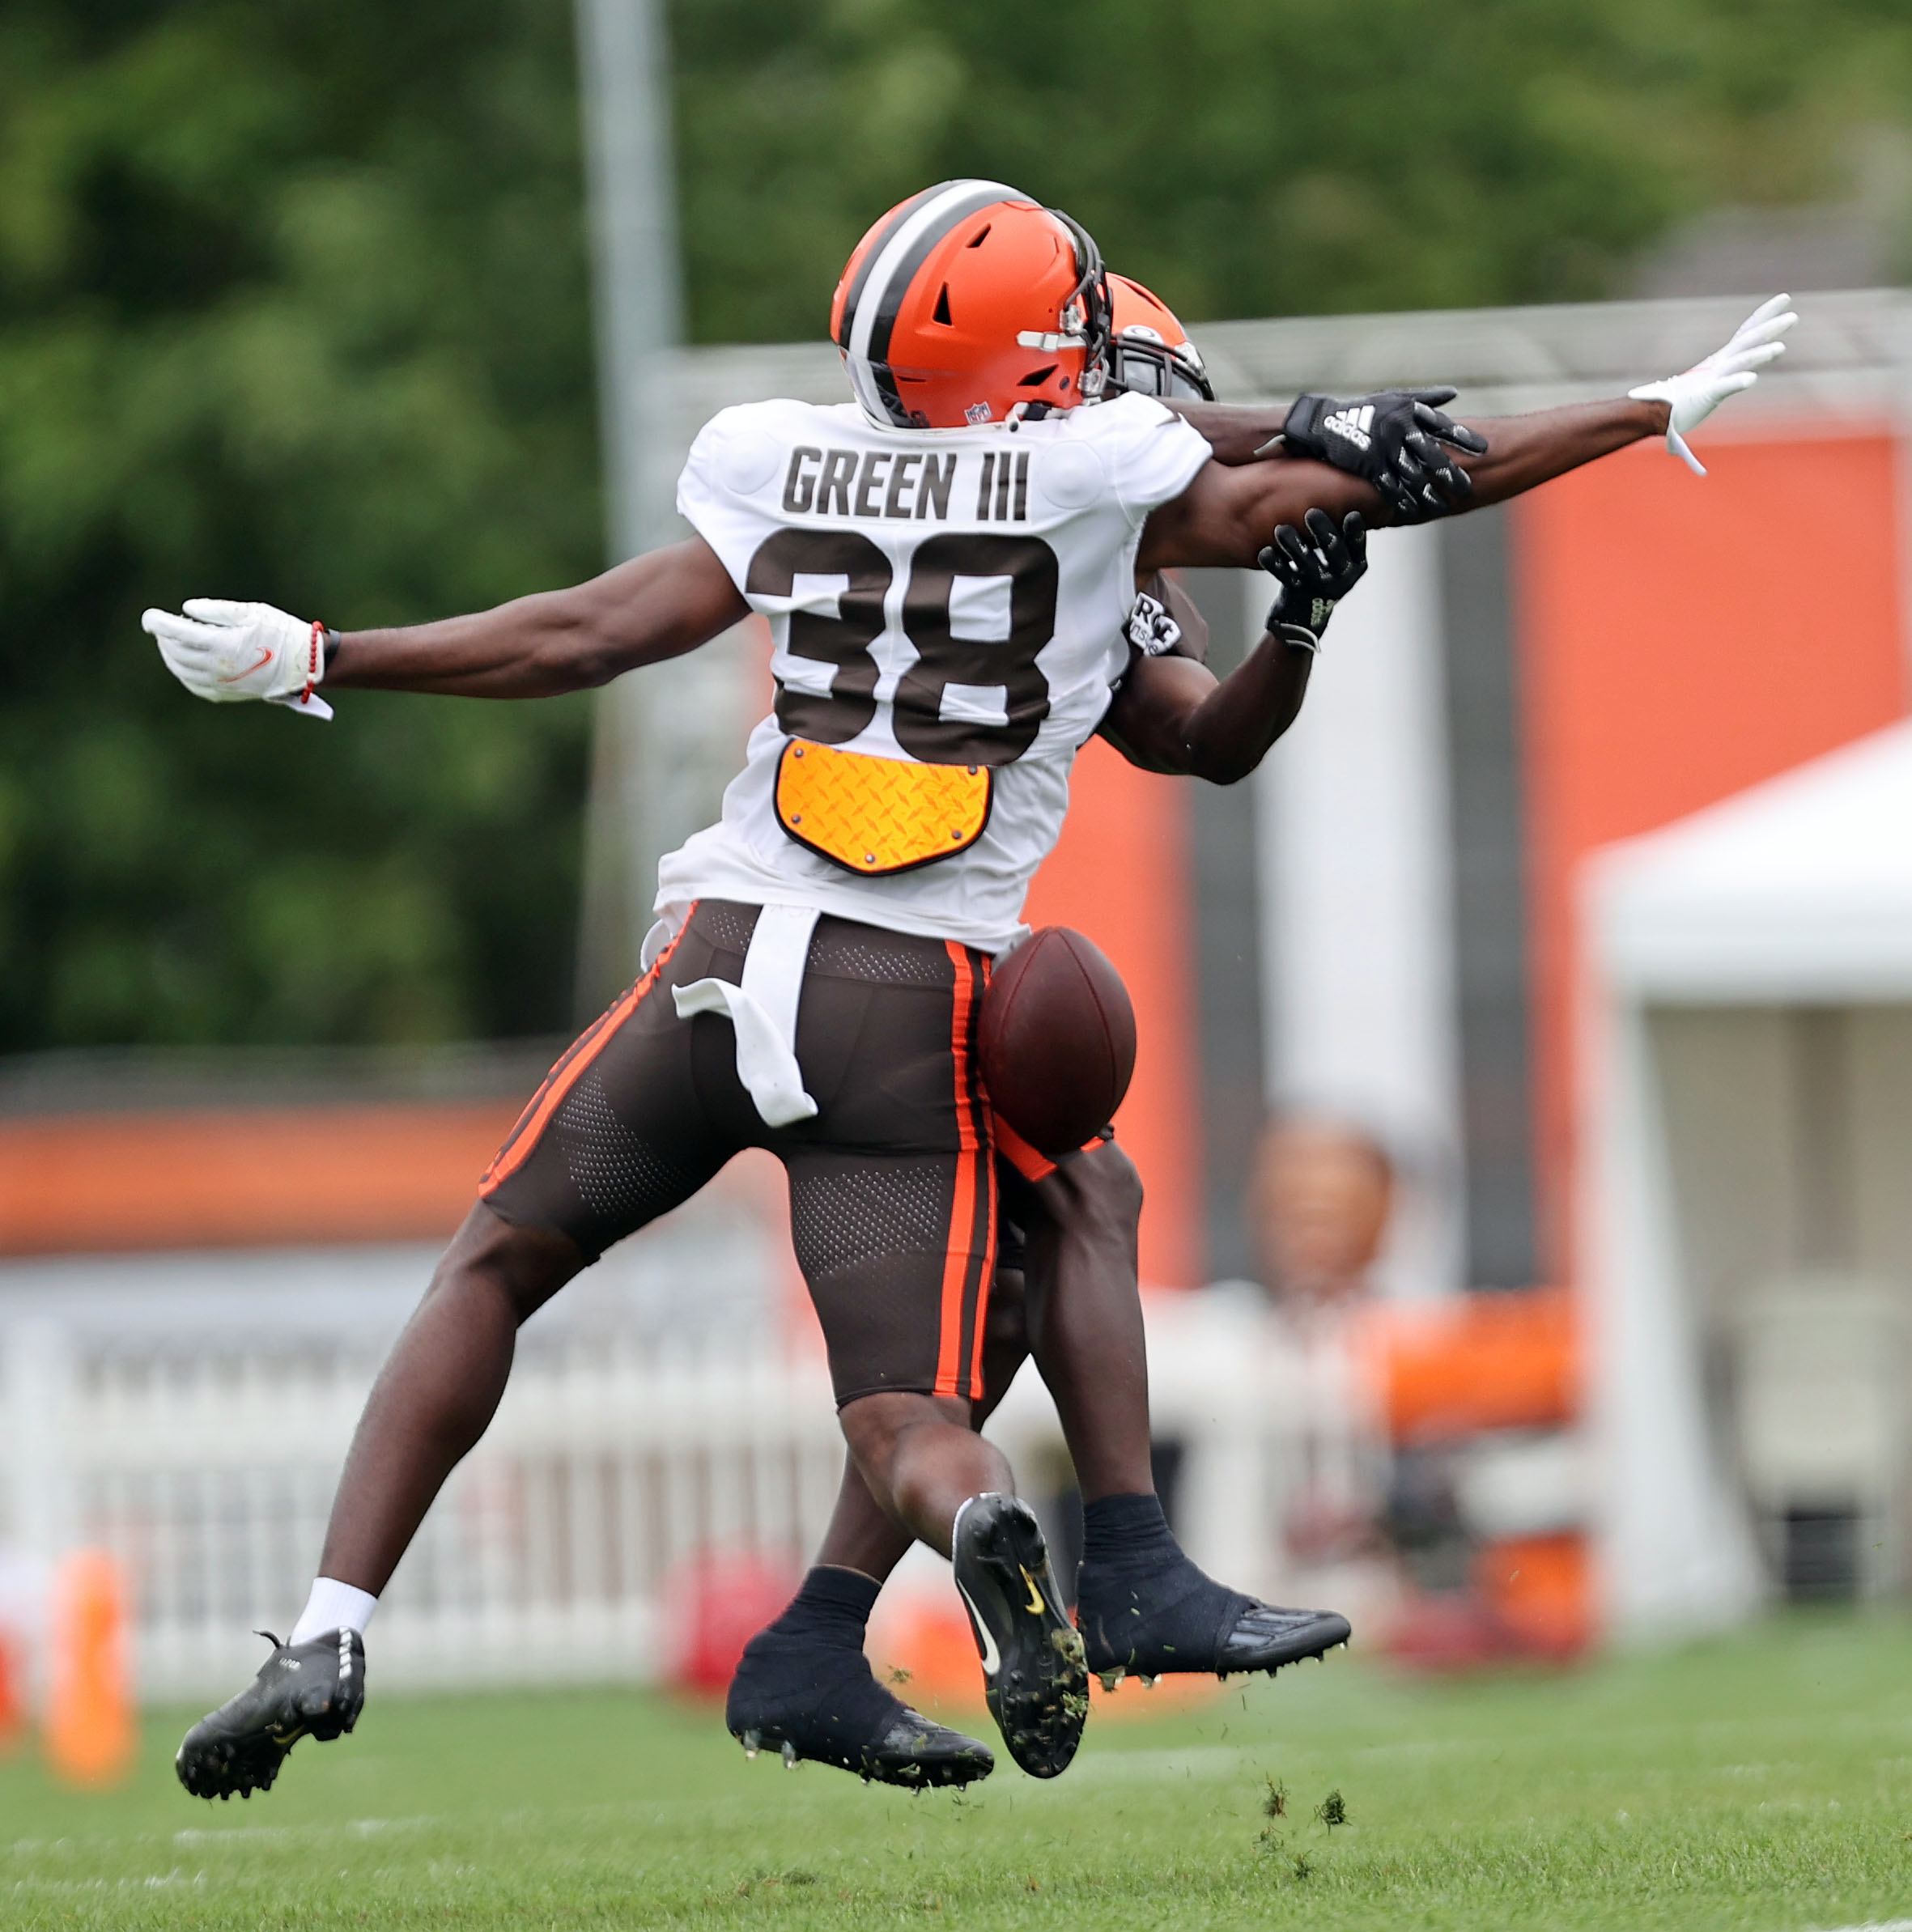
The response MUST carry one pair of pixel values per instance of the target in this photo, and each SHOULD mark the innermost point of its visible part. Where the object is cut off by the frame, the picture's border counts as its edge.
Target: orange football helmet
(966, 300)
(1149, 351)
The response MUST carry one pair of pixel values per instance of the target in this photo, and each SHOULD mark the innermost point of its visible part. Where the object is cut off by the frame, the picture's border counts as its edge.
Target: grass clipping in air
(1760, 1781)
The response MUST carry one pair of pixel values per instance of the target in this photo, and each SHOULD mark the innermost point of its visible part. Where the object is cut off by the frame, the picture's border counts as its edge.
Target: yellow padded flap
(874, 816)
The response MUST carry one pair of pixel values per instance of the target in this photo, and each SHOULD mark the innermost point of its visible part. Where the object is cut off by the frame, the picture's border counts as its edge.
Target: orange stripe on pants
(959, 1255)
(569, 1071)
(986, 1170)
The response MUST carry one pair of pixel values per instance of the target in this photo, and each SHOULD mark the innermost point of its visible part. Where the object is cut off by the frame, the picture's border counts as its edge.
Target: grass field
(1760, 1781)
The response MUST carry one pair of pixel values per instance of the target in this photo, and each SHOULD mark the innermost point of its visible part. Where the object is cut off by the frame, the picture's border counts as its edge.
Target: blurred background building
(1572, 921)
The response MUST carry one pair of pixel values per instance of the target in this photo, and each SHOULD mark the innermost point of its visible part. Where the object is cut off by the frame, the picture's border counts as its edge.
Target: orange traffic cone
(90, 1727)
(13, 1691)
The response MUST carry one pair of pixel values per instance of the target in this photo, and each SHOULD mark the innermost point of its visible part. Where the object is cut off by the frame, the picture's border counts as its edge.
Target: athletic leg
(919, 1455)
(801, 1670)
(893, 1212)
(891, 1217)
(1079, 1312)
(804, 1683)
(439, 1389)
(1080, 1220)
(613, 1138)
(433, 1399)
(1144, 1607)
(893, 1207)
(861, 1535)
(1142, 1604)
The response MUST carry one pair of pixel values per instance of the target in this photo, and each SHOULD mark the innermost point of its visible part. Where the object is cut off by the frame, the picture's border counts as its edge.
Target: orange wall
(1681, 639)
(255, 1177)
(1120, 874)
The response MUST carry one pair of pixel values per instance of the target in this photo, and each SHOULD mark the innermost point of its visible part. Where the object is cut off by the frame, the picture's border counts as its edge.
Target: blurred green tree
(1270, 157)
(293, 304)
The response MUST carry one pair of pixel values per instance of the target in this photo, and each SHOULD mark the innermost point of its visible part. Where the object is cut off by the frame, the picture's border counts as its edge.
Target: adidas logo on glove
(1352, 426)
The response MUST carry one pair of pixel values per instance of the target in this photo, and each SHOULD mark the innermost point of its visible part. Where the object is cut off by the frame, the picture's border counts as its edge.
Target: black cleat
(1034, 1674)
(315, 1689)
(814, 1702)
(1265, 1636)
(1132, 1637)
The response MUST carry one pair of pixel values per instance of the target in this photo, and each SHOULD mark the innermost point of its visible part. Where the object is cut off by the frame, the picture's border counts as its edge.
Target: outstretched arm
(655, 606)
(658, 605)
(1400, 440)
(1237, 432)
(1223, 516)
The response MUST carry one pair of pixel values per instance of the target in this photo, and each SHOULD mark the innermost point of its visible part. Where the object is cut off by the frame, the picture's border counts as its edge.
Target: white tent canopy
(1709, 945)
(1798, 890)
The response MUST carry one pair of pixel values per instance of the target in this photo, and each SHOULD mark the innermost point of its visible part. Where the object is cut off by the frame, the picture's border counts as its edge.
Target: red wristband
(315, 663)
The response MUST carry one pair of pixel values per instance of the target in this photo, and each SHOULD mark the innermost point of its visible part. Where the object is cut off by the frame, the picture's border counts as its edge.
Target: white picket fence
(191, 1414)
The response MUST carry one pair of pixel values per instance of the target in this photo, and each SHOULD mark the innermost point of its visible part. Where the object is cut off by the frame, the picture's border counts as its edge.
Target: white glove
(224, 652)
(1693, 396)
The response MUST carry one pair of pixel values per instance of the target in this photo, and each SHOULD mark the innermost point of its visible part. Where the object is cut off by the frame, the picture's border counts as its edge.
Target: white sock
(334, 1606)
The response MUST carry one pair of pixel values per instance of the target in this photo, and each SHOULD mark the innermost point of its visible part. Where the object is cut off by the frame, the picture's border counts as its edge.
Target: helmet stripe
(936, 225)
(892, 267)
(861, 280)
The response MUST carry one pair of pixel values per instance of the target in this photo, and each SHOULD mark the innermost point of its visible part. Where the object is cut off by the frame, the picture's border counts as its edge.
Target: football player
(804, 1681)
(947, 565)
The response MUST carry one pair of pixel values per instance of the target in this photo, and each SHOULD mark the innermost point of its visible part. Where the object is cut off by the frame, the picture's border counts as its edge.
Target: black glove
(1392, 439)
(1314, 573)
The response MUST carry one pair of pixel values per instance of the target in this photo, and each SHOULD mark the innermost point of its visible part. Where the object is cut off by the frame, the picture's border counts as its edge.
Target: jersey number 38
(966, 701)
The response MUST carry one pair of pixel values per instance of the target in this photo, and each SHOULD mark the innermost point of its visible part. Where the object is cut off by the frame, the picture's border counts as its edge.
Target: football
(1057, 1040)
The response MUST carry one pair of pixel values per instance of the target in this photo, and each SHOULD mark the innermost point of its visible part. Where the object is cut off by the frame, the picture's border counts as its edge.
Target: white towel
(762, 1012)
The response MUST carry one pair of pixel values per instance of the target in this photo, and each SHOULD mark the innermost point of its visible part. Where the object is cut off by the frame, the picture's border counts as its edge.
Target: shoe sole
(911, 1773)
(231, 1769)
(1038, 1691)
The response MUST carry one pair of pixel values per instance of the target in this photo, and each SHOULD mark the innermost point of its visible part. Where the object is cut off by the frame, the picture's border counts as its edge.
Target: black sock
(832, 1608)
(1142, 1604)
(804, 1688)
(805, 1678)
(1125, 1531)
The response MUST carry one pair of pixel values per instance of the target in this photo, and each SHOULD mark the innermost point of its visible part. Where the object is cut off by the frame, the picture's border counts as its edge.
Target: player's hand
(1691, 398)
(1398, 440)
(1313, 573)
(224, 652)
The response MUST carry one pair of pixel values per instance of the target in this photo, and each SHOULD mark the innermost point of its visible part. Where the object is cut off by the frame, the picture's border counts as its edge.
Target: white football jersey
(939, 596)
